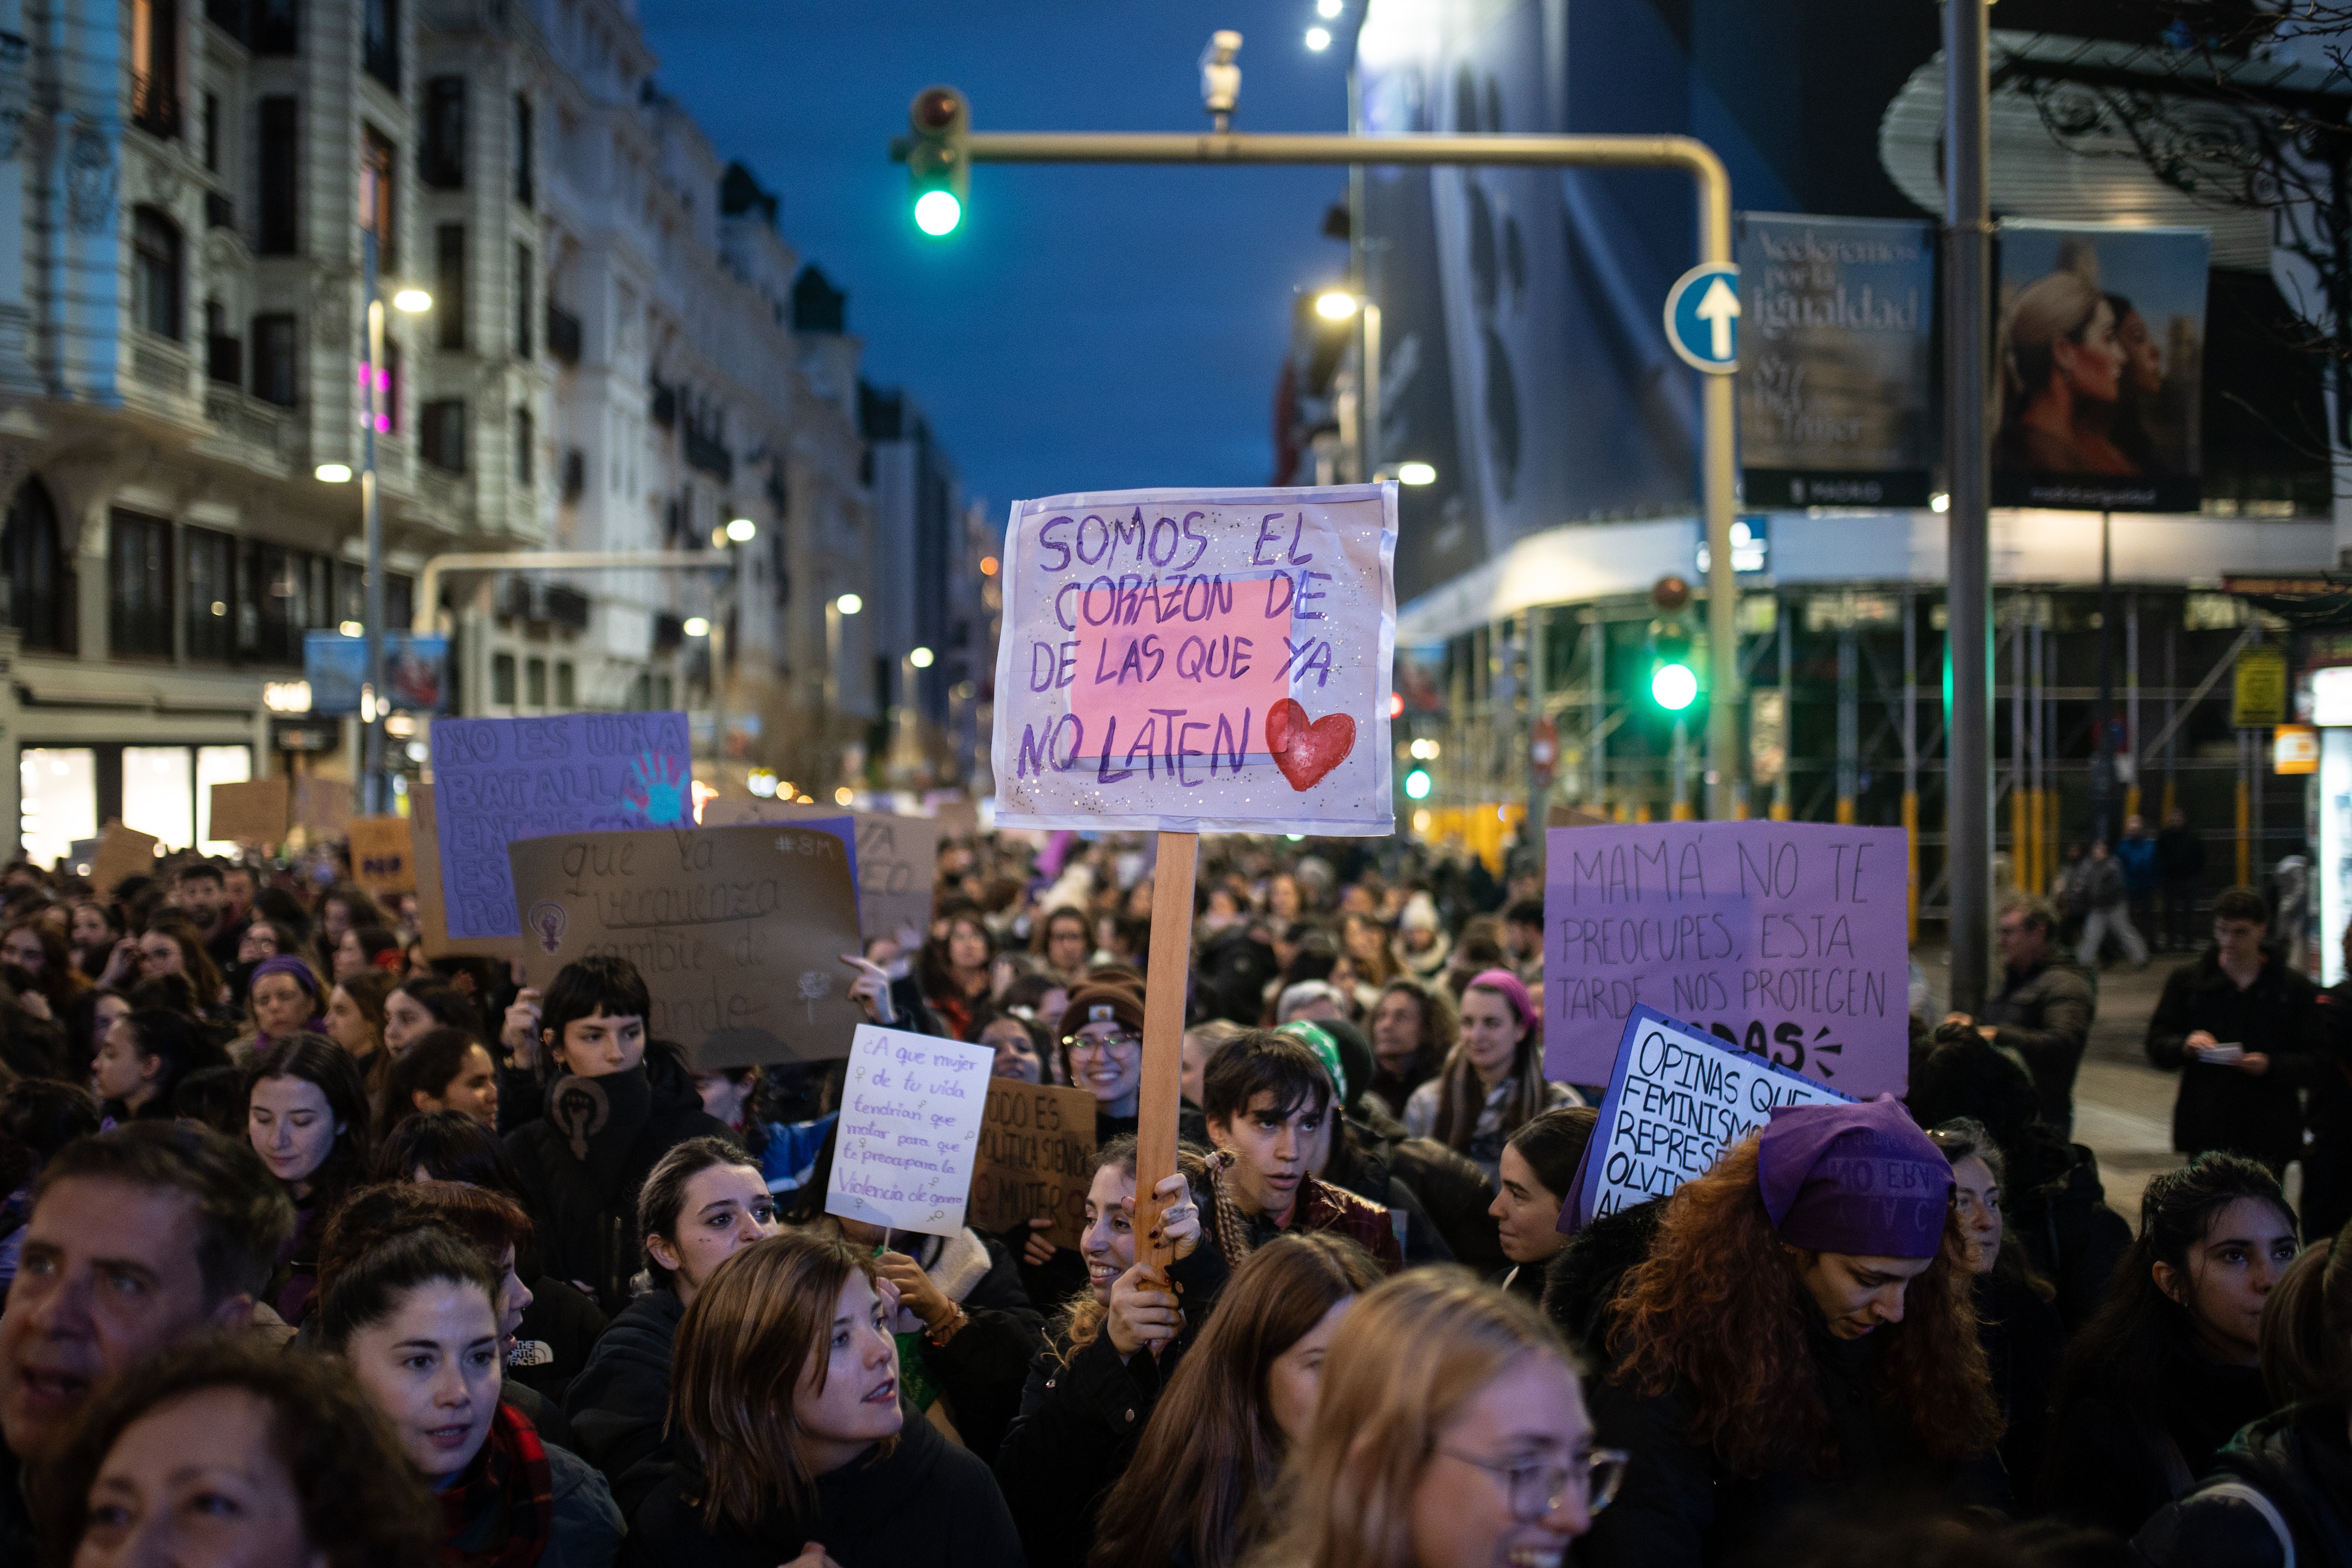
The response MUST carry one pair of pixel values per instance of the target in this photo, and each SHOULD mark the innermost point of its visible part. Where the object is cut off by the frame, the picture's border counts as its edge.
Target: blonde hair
(2061, 305)
(1350, 1484)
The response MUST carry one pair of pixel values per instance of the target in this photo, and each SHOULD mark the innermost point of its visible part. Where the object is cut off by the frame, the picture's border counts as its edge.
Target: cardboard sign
(322, 807)
(1037, 1158)
(255, 812)
(121, 852)
(424, 856)
(1677, 1098)
(902, 1154)
(1787, 939)
(1198, 661)
(895, 861)
(382, 858)
(739, 932)
(498, 780)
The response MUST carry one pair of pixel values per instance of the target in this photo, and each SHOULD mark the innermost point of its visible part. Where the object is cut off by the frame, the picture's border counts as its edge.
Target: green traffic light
(937, 213)
(1674, 687)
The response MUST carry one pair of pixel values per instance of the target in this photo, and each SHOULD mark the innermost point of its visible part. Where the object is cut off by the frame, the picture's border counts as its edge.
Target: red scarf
(501, 1511)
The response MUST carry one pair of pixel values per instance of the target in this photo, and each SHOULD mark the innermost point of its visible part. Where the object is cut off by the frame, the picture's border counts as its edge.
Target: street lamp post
(835, 609)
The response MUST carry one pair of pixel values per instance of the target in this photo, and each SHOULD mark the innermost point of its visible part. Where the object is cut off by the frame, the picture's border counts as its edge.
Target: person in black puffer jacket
(748, 1495)
(618, 1104)
(1584, 1278)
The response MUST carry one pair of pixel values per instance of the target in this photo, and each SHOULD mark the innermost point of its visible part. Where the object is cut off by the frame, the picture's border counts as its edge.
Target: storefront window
(217, 765)
(59, 785)
(158, 796)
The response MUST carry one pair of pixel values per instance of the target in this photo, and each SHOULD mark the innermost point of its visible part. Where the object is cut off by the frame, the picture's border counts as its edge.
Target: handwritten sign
(1037, 1158)
(911, 1112)
(498, 780)
(1677, 1098)
(739, 932)
(121, 852)
(1199, 660)
(253, 811)
(896, 856)
(323, 807)
(1787, 939)
(382, 860)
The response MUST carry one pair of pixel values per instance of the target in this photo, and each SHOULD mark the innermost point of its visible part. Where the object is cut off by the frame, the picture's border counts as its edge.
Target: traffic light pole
(1716, 474)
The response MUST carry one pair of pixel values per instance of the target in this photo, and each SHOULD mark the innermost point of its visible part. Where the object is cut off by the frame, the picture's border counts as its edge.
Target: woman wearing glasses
(1472, 1450)
(1799, 1335)
(1102, 1050)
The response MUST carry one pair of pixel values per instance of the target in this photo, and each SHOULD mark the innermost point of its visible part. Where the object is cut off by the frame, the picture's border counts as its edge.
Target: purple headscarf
(1513, 990)
(286, 964)
(1861, 1180)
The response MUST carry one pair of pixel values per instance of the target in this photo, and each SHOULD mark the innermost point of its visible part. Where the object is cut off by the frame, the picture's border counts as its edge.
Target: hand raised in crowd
(1180, 1222)
(121, 964)
(915, 1290)
(1037, 1249)
(519, 1034)
(35, 1004)
(871, 990)
(1143, 1313)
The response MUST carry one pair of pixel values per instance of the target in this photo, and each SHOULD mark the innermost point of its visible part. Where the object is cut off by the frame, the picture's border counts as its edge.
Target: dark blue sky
(1088, 327)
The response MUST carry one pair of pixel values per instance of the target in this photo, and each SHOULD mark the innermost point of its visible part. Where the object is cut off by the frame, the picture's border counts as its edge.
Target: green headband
(1327, 1050)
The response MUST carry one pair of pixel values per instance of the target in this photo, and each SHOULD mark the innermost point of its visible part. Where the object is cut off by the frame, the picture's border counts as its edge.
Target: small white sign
(909, 1130)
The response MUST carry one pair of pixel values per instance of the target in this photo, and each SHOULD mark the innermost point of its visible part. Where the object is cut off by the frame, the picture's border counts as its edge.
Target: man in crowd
(2180, 861)
(202, 894)
(1523, 937)
(137, 1239)
(2043, 1011)
(1266, 1100)
(2143, 876)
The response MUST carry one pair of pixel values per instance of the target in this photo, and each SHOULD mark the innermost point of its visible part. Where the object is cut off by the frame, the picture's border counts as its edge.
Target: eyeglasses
(1539, 1488)
(1080, 1045)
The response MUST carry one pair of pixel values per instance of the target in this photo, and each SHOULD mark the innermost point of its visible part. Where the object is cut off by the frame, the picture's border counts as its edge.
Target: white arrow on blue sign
(1703, 318)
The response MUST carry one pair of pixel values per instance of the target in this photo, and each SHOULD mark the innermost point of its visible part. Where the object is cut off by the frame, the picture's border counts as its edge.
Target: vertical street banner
(1836, 322)
(498, 780)
(2100, 368)
(1788, 941)
(1198, 661)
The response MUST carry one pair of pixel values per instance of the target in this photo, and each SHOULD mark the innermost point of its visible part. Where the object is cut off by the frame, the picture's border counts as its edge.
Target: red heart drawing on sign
(1305, 751)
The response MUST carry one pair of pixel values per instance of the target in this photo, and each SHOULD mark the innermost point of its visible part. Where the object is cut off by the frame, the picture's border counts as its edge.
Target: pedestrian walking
(2103, 898)
(2143, 873)
(2180, 863)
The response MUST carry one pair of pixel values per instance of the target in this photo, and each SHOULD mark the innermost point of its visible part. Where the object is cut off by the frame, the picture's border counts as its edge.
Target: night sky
(1086, 328)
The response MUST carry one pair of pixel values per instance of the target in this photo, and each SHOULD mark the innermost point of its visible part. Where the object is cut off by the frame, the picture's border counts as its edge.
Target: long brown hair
(1409, 1356)
(1716, 1309)
(1460, 1100)
(1211, 1441)
(2306, 1333)
(1082, 1315)
(756, 1325)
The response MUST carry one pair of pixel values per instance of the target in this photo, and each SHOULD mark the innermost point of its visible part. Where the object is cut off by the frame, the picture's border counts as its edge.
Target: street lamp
(1416, 474)
(1338, 305)
(697, 627)
(920, 659)
(742, 530)
(835, 609)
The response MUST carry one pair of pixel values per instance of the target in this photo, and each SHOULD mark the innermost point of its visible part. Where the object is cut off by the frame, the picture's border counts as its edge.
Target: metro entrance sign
(1703, 318)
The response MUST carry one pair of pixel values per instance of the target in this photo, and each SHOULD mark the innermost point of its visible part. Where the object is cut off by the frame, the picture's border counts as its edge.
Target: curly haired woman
(1799, 1335)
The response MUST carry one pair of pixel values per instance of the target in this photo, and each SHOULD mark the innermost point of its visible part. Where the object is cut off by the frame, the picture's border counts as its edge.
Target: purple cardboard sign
(1788, 940)
(498, 780)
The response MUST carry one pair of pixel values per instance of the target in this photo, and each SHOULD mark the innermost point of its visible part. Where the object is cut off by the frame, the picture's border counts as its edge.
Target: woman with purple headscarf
(282, 999)
(1798, 1337)
(1492, 1083)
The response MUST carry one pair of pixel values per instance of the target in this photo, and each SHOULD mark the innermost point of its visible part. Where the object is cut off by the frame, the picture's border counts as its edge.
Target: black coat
(2222, 1107)
(587, 1228)
(2024, 1341)
(568, 1324)
(618, 1405)
(925, 1504)
(1076, 1435)
(2301, 1462)
(981, 1369)
(1584, 1276)
(1680, 1505)
(2057, 1209)
(2115, 1456)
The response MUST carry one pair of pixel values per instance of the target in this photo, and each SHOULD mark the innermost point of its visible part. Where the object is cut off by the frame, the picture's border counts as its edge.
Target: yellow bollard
(1911, 857)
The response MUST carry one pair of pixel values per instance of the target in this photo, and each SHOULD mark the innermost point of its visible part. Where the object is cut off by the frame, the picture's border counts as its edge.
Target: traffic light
(1674, 673)
(936, 159)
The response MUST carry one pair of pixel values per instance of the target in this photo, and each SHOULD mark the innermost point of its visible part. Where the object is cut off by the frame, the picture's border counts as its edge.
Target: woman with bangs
(1798, 1336)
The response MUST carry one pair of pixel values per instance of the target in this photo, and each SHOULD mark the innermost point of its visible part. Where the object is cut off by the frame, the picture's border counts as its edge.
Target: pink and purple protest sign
(1199, 660)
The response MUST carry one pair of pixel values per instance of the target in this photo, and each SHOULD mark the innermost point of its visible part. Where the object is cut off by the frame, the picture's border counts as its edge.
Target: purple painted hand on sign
(656, 788)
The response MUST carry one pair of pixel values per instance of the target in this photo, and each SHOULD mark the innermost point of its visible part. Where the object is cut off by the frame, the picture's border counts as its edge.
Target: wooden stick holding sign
(1161, 1093)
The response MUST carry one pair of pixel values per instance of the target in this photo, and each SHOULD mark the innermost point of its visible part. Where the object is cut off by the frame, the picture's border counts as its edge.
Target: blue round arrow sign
(1703, 318)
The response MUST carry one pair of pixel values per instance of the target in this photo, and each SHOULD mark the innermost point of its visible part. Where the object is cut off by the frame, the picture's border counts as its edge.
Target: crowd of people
(322, 1252)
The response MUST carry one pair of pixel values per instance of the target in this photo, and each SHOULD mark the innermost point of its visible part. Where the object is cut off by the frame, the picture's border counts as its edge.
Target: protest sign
(902, 1154)
(739, 932)
(1198, 661)
(895, 861)
(498, 780)
(1677, 1098)
(1037, 1158)
(424, 857)
(1787, 939)
(121, 852)
(323, 807)
(382, 860)
(254, 812)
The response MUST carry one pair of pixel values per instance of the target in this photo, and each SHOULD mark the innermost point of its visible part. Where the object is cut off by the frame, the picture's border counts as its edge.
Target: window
(276, 232)
(211, 133)
(378, 213)
(217, 765)
(449, 285)
(663, 691)
(159, 794)
(156, 272)
(41, 588)
(59, 786)
(276, 360)
(139, 586)
(274, 27)
(223, 350)
(523, 281)
(503, 679)
(563, 685)
(293, 593)
(399, 600)
(379, 41)
(212, 594)
(441, 428)
(155, 66)
(441, 161)
(522, 150)
(524, 440)
(534, 682)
